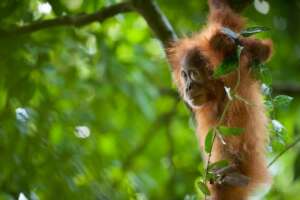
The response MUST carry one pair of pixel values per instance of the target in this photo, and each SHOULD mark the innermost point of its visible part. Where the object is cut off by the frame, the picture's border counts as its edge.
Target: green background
(114, 79)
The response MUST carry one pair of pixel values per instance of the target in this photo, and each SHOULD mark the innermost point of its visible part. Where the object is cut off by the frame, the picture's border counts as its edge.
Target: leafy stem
(215, 129)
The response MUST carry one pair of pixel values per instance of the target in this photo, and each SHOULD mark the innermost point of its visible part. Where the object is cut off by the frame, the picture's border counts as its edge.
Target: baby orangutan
(194, 61)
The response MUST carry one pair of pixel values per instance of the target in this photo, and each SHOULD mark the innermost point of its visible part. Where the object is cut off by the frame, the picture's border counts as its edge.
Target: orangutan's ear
(221, 42)
(260, 50)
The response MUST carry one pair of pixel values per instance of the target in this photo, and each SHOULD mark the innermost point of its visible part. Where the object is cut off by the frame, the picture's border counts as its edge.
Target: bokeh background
(91, 112)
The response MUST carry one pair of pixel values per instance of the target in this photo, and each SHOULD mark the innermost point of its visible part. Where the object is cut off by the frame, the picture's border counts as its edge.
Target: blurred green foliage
(87, 113)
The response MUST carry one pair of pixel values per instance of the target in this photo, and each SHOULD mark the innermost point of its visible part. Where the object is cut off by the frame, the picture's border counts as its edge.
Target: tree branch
(292, 89)
(162, 120)
(156, 20)
(77, 20)
(287, 148)
(239, 5)
(147, 8)
(236, 5)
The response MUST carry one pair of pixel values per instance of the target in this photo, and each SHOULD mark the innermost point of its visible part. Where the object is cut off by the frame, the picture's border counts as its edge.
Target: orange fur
(247, 151)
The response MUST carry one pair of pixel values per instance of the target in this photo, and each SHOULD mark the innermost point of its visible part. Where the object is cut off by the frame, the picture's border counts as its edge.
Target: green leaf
(209, 141)
(218, 164)
(211, 176)
(269, 105)
(227, 66)
(201, 187)
(262, 73)
(253, 30)
(282, 101)
(265, 75)
(226, 131)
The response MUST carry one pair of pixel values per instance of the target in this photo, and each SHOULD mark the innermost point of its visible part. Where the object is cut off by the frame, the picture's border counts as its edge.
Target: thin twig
(284, 151)
(156, 20)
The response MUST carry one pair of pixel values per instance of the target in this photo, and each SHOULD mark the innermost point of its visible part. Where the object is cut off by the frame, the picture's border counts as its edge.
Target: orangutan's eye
(184, 75)
(196, 75)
